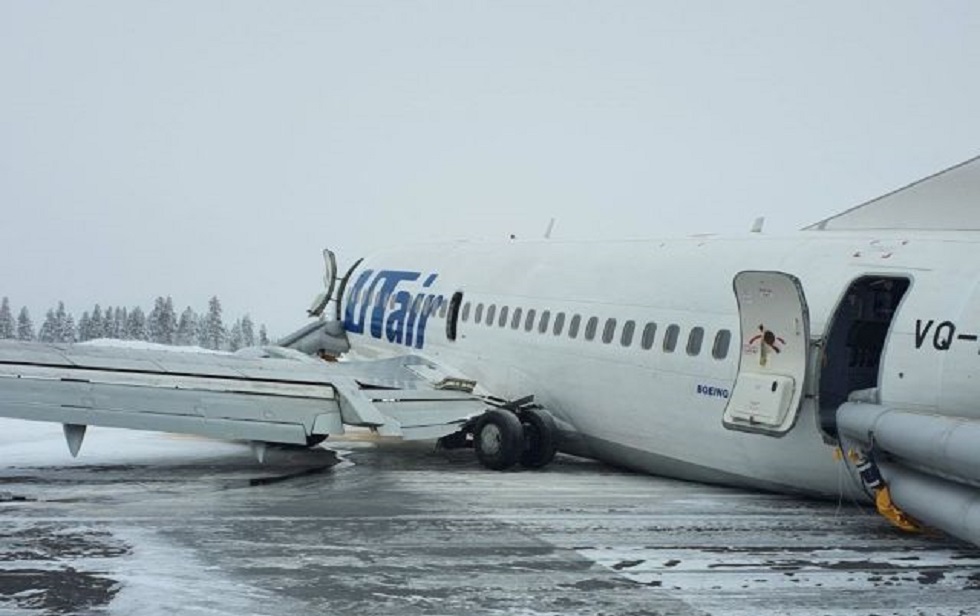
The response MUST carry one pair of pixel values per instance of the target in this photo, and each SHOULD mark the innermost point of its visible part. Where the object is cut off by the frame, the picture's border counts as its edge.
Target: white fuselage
(645, 406)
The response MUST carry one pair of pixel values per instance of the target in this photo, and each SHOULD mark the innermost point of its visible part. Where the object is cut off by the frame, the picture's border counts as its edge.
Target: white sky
(191, 148)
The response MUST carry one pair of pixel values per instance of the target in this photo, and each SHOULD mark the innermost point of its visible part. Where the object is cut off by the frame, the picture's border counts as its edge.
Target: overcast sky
(191, 148)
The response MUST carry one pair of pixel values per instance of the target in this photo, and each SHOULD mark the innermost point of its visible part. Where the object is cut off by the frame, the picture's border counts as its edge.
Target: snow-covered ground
(145, 523)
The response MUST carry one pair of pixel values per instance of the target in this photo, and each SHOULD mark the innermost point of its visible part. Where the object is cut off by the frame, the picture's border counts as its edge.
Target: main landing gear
(511, 434)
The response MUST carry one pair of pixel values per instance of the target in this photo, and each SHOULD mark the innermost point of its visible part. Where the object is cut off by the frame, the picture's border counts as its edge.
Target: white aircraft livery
(843, 359)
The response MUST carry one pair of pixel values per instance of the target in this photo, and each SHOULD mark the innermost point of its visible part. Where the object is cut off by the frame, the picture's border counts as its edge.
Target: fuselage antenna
(551, 226)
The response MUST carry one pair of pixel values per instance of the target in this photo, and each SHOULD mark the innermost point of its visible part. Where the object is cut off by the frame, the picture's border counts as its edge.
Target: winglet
(74, 435)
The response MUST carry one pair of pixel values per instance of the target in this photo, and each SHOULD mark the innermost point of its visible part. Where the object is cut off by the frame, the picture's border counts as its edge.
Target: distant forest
(161, 325)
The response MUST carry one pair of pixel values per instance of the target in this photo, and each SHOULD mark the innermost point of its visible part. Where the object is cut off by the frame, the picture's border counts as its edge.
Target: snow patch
(151, 346)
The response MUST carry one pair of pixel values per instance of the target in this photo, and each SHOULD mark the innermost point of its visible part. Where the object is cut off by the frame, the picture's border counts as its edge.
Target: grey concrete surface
(398, 528)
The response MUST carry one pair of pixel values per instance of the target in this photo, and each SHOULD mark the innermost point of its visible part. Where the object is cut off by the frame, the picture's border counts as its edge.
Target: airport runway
(150, 524)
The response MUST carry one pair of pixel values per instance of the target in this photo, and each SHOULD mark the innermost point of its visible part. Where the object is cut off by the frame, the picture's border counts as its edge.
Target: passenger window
(516, 321)
(722, 340)
(503, 316)
(590, 328)
(627, 338)
(478, 314)
(573, 326)
(466, 312)
(442, 306)
(417, 305)
(649, 333)
(559, 323)
(491, 311)
(670, 338)
(609, 331)
(545, 320)
(694, 340)
(529, 321)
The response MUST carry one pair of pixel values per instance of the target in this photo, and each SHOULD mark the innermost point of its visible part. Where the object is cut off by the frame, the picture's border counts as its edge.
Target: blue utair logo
(378, 305)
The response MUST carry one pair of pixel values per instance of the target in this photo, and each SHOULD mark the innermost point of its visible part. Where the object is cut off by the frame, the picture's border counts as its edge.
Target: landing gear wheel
(540, 438)
(498, 439)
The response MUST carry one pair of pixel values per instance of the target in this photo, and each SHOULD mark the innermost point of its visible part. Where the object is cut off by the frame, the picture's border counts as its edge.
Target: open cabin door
(775, 330)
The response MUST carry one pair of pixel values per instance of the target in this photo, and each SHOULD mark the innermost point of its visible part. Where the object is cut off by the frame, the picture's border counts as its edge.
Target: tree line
(160, 325)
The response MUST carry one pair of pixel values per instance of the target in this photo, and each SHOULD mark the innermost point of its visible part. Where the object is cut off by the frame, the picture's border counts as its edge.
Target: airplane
(840, 360)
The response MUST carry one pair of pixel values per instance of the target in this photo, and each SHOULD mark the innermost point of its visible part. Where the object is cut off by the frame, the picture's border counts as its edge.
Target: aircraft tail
(945, 201)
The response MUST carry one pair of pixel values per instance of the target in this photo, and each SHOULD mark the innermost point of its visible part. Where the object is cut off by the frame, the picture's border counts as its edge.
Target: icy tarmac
(145, 523)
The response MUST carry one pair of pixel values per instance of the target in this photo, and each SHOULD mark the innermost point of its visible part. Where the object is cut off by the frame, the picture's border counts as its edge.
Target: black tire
(540, 438)
(498, 439)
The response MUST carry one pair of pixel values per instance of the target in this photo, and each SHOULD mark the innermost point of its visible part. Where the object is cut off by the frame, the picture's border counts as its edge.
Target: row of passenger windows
(531, 320)
(626, 335)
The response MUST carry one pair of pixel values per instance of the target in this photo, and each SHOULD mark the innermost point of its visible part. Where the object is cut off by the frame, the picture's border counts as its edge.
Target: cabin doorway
(850, 365)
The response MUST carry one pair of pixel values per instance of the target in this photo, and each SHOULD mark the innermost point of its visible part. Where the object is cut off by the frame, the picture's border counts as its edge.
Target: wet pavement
(155, 524)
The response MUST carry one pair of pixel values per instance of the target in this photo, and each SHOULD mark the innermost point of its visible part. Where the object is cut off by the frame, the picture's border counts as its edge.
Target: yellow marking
(887, 508)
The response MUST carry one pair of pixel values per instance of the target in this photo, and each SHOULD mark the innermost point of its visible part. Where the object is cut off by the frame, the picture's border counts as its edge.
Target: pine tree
(85, 327)
(235, 336)
(168, 322)
(187, 328)
(212, 328)
(263, 336)
(162, 322)
(248, 331)
(6, 320)
(49, 329)
(97, 326)
(119, 318)
(136, 325)
(153, 320)
(25, 327)
(68, 332)
(64, 325)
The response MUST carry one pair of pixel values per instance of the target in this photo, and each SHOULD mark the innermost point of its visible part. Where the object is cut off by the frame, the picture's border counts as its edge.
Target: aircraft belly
(663, 428)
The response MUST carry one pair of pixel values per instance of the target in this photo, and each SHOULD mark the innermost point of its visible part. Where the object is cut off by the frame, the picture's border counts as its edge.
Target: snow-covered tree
(68, 331)
(235, 338)
(248, 331)
(120, 317)
(187, 328)
(212, 333)
(6, 320)
(136, 325)
(64, 325)
(85, 327)
(263, 336)
(49, 329)
(25, 326)
(162, 322)
(97, 326)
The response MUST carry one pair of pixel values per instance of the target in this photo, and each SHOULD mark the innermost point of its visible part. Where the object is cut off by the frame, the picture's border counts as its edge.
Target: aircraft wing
(279, 396)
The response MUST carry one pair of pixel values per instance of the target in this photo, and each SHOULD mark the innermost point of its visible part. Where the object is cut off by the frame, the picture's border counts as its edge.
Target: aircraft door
(775, 330)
